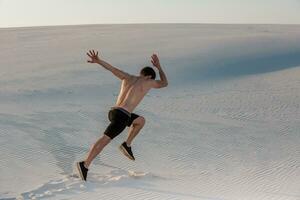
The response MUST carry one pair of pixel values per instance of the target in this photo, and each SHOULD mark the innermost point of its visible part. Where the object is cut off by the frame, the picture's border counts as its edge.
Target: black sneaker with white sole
(126, 151)
(82, 170)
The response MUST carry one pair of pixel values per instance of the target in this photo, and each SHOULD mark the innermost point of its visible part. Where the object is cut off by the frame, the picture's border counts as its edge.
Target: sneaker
(126, 151)
(82, 170)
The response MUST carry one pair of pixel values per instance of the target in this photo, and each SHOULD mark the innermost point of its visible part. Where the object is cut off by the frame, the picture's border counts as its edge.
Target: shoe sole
(123, 150)
(80, 172)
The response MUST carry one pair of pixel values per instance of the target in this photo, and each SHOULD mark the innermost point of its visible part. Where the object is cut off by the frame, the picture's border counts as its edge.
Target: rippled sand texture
(226, 128)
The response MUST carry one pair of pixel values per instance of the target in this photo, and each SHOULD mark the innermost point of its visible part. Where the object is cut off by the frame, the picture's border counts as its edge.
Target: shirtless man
(133, 90)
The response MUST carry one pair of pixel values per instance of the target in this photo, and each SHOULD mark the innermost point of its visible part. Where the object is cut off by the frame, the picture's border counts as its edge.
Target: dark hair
(148, 71)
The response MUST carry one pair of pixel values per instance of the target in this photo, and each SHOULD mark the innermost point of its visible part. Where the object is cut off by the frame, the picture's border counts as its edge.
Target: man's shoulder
(150, 82)
(129, 77)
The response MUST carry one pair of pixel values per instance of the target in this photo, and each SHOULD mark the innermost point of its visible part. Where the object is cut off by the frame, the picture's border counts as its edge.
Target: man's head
(148, 71)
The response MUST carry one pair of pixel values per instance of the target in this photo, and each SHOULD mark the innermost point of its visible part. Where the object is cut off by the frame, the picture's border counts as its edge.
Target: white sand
(226, 128)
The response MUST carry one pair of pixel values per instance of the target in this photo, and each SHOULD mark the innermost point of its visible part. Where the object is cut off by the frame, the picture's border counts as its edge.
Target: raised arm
(163, 82)
(117, 72)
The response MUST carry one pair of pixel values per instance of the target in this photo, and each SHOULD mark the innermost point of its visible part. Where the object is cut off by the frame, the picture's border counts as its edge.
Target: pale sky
(16, 13)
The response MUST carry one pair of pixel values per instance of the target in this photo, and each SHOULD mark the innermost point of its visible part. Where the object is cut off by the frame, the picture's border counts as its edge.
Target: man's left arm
(117, 72)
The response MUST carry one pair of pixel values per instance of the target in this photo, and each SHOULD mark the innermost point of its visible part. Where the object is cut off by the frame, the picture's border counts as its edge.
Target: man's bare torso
(132, 92)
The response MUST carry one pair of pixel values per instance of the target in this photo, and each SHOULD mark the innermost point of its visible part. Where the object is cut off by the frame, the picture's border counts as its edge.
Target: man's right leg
(96, 149)
(118, 123)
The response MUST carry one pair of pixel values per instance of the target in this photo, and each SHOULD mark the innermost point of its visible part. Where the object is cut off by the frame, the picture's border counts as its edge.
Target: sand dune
(226, 128)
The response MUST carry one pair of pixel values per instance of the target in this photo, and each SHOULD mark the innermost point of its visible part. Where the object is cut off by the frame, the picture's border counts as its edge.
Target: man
(133, 90)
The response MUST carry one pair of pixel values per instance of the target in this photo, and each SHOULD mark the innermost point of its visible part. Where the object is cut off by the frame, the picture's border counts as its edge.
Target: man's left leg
(135, 128)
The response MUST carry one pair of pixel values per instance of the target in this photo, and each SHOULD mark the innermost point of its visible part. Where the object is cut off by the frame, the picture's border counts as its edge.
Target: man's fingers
(89, 55)
(153, 61)
(154, 57)
(93, 53)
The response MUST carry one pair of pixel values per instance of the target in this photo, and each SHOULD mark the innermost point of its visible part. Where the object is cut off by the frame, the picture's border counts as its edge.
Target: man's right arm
(163, 82)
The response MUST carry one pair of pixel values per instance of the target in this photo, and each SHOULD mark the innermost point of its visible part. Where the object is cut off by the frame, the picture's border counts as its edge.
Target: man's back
(132, 92)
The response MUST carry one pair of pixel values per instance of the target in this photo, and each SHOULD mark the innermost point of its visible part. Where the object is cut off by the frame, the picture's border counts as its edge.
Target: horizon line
(148, 23)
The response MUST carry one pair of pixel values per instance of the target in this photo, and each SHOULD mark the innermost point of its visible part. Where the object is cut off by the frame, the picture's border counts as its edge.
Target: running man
(133, 90)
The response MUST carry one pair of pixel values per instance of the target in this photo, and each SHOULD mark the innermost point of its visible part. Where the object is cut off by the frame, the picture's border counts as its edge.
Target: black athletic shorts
(119, 118)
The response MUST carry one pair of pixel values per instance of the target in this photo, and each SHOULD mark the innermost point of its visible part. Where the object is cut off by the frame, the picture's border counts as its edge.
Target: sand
(226, 127)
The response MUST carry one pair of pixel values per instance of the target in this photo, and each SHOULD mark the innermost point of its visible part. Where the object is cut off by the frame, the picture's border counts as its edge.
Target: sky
(20, 13)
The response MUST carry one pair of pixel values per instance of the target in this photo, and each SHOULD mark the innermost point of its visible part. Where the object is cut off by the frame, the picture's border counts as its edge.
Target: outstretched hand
(93, 56)
(155, 61)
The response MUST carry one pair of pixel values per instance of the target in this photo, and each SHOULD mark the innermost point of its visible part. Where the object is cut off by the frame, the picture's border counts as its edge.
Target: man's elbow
(160, 84)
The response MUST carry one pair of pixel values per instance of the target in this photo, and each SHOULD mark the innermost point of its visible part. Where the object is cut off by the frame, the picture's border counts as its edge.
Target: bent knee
(139, 121)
